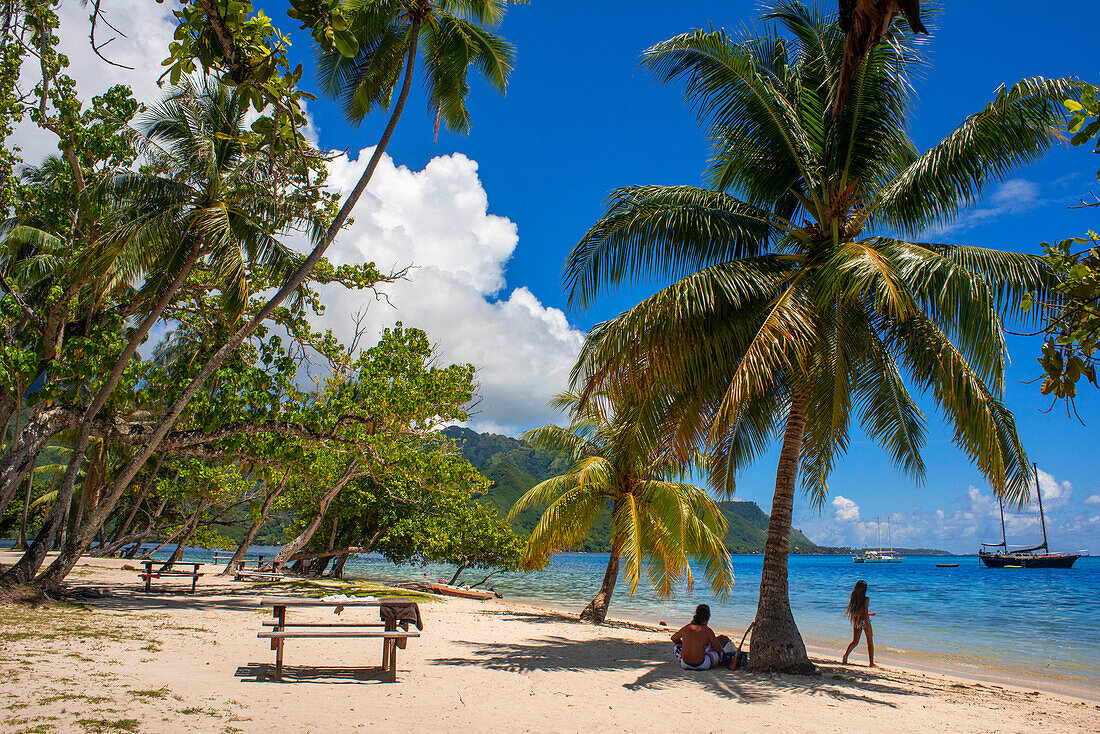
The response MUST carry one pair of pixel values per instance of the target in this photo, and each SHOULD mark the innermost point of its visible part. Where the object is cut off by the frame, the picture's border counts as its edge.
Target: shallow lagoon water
(1039, 621)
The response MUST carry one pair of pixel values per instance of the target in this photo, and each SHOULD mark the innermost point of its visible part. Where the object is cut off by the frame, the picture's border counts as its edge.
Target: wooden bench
(257, 559)
(149, 574)
(282, 630)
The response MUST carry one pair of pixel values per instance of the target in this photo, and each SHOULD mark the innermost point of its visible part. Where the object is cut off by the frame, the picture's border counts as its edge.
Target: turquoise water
(1037, 620)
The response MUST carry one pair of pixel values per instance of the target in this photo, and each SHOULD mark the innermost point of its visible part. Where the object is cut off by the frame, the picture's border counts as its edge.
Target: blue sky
(488, 220)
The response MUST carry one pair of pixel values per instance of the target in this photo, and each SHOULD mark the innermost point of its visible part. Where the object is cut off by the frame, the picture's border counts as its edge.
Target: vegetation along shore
(361, 360)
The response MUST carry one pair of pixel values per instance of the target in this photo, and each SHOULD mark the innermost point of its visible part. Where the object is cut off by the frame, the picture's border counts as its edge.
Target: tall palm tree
(390, 34)
(656, 522)
(802, 297)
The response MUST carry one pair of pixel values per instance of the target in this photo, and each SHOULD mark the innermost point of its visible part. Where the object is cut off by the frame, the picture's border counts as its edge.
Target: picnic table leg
(386, 642)
(277, 643)
(393, 661)
(148, 581)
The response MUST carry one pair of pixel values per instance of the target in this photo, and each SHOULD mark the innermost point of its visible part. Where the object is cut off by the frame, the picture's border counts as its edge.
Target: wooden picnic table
(391, 637)
(149, 574)
(256, 558)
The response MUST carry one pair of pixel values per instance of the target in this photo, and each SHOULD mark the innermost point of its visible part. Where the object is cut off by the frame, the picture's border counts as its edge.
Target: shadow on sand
(265, 673)
(657, 669)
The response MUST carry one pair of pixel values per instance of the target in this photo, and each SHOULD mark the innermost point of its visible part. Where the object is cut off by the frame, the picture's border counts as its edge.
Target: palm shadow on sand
(656, 668)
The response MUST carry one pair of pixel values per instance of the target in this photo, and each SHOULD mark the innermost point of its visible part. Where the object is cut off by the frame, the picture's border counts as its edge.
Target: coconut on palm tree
(802, 299)
(657, 523)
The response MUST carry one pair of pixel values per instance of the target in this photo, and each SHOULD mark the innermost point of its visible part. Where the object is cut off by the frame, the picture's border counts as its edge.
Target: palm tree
(655, 521)
(201, 199)
(802, 297)
(389, 35)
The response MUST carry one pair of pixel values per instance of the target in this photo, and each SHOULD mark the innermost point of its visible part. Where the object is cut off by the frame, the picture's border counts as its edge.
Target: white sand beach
(170, 662)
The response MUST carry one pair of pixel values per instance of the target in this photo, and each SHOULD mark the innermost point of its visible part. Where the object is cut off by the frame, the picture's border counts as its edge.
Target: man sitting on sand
(697, 647)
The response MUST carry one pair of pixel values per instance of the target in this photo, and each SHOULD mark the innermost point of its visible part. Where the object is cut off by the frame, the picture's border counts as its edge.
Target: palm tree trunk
(59, 569)
(256, 525)
(25, 568)
(776, 642)
(596, 611)
(26, 511)
(295, 545)
(125, 526)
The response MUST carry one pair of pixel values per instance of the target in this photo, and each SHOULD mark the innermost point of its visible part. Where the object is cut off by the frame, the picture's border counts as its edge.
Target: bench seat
(270, 623)
(390, 639)
(149, 575)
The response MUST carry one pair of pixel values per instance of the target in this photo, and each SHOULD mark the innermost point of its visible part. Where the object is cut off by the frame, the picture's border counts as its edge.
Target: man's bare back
(694, 638)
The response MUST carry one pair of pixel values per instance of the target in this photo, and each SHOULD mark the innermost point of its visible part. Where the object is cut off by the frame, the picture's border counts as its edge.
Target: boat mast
(1042, 519)
(1004, 539)
(878, 534)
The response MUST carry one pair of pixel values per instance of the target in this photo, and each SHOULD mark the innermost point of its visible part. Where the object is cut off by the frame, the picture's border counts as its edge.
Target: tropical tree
(801, 299)
(656, 522)
(452, 40)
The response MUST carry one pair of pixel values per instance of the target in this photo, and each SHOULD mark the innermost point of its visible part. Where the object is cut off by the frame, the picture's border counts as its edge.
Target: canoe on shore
(459, 591)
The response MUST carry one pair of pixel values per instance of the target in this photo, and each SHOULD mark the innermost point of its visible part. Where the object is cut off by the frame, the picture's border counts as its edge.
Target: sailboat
(1026, 557)
(879, 556)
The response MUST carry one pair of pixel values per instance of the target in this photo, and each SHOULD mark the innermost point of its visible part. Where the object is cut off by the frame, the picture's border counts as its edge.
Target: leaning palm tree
(803, 299)
(656, 522)
(389, 37)
(200, 200)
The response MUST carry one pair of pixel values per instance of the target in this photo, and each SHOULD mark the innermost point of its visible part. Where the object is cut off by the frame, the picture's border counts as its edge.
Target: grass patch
(109, 725)
(38, 729)
(64, 621)
(73, 697)
(195, 711)
(152, 693)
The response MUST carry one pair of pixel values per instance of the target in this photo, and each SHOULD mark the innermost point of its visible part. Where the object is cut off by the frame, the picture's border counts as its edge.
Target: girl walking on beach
(859, 613)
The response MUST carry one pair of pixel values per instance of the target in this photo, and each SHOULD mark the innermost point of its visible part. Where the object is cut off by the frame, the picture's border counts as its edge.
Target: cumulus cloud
(1093, 500)
(144, 32)
(845, 509)
(437, 220)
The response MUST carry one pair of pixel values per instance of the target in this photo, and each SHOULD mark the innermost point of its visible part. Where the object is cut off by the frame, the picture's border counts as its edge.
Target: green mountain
(514, 466)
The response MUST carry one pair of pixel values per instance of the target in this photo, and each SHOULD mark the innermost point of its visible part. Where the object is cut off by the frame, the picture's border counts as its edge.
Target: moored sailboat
(879, 556)
(1026, 557)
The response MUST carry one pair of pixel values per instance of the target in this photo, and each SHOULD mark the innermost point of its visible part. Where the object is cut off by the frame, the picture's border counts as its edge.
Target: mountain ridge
(514, 466)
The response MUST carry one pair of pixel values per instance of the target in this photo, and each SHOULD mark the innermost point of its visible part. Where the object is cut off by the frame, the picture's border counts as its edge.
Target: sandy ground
(171, 662)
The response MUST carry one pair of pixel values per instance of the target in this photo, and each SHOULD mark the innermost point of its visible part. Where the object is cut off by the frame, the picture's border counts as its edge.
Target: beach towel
(403, 611)
(710, 659)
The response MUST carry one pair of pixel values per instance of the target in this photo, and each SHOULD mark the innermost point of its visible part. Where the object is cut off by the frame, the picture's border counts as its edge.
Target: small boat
(878, 556)
(947, 565)
(1026, 557)
(460, 591)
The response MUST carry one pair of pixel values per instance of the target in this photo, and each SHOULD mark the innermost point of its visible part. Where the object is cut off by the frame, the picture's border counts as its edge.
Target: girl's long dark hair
(858, 602)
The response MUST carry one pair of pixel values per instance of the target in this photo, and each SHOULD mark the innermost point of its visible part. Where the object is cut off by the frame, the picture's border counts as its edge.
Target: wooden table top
(297, 601)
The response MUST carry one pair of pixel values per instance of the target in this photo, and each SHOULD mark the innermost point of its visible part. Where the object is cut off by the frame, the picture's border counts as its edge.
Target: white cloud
(974, 519)
(148, 29)
(846, 509)
(437, 220)
(1055, 494)
(1014, 196)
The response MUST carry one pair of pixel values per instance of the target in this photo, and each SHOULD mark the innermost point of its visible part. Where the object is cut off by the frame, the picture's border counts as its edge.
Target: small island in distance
(514, 466)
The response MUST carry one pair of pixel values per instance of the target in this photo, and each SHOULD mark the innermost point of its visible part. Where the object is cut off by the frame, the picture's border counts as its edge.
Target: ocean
(1042, 622)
